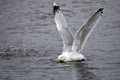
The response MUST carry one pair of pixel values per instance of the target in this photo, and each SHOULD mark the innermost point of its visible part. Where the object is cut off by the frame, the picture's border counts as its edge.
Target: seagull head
(60, 59)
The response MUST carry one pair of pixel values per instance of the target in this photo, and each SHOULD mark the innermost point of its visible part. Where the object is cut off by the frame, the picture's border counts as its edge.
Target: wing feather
(63, 29)
(85, 30)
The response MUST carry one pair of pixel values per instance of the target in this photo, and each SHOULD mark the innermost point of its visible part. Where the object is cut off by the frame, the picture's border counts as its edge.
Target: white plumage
(72, 46)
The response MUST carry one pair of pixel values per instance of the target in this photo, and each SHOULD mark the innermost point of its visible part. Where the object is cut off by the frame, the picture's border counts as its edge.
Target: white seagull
(72, 46)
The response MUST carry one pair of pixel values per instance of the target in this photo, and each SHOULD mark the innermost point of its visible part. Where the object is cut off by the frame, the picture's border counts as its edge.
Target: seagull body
(70, 56)
(72, 46)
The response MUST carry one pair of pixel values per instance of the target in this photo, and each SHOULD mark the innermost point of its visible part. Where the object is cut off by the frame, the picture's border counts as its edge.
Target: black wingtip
(100, 10)
(55, 8)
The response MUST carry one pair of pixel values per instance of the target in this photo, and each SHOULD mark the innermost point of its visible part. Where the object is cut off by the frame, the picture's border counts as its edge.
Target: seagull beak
(58, 60)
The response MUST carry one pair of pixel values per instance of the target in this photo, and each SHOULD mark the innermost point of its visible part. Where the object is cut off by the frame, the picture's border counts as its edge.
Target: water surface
(29, 41)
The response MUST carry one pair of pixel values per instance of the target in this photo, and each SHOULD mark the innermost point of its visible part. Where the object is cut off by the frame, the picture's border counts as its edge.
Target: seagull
(72, 46)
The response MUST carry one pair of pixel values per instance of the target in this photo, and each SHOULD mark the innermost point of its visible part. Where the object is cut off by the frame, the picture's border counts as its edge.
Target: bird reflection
(82, 72)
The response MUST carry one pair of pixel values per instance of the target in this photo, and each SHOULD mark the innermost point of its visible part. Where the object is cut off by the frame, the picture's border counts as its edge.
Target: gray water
(29, 40)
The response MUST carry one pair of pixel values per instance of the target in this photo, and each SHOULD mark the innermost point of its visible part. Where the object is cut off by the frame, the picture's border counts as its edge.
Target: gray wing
(85, 30)
(63, 30)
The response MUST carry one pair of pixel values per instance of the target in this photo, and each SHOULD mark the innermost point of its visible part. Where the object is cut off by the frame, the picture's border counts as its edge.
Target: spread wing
(85, 30)
(62, 27)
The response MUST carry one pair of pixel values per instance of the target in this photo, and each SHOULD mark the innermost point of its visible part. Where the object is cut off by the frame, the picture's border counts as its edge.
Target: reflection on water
(82, 72)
